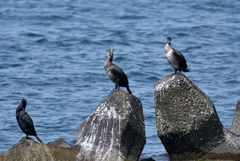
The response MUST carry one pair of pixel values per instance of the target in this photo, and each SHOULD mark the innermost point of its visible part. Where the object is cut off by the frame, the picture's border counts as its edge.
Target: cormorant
(175, 57)
(116, 74)
(24, 120)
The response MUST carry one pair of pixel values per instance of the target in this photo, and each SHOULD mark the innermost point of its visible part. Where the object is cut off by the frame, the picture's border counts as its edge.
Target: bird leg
(27, 137)
(118, 87)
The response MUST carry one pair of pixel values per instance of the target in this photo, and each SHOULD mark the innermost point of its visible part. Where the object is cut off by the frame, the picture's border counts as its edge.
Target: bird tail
(186, 70)
(129, 91)
(38, 139)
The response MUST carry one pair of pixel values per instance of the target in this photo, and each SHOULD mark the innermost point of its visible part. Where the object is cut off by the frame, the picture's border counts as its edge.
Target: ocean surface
(52, 54)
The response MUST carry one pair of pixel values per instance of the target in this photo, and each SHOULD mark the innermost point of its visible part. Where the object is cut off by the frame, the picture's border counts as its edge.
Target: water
(52, 54)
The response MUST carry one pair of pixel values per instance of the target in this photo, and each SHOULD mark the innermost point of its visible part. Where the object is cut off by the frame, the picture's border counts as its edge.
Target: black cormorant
(175, 57)
(24, 120)
(115, 73)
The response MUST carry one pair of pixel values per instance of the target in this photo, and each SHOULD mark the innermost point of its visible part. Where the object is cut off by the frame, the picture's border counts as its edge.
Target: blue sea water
(52, 54)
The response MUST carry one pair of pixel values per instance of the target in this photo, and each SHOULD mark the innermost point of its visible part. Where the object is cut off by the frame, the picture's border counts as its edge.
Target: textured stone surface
(114, 130)
(29, 150)
(60, 143)
(235, 128)
(187, 122)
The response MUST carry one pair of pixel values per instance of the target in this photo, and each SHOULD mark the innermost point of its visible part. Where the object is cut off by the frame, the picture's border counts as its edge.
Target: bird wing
(117, 71)
(26, 120)
(180, 57)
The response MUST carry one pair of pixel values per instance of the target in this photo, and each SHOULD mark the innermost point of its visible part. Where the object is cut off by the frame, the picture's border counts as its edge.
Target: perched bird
(116, 74)
(24, 120)
(175, 57)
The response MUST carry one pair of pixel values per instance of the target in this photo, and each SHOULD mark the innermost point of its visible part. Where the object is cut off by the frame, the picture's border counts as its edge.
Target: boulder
(235, 128)
(28, 150)
(59, 143)
(113, 131)
(188, 124)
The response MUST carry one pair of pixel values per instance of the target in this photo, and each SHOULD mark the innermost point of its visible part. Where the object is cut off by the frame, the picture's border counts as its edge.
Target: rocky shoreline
(187, 124)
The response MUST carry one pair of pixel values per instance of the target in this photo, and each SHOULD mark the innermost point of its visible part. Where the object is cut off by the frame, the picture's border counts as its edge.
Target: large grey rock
(114, 131)
(235, 128)
(188, 124)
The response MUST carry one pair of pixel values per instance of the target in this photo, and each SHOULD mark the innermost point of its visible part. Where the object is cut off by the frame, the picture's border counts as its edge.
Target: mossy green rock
(29, 150)
(188, 124)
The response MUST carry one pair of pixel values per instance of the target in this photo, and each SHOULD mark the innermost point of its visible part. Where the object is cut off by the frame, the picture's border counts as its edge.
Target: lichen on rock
(114, 130)
(187, 121)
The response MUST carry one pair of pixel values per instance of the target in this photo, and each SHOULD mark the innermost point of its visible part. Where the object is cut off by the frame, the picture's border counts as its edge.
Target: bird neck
(167, 47)
(110, 59)
(20, 108)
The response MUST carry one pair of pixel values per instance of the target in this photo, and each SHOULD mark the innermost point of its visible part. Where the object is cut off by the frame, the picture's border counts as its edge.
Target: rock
(235, 128)
(28, 150)
(113, 131)
(188, 124)
(60, 143)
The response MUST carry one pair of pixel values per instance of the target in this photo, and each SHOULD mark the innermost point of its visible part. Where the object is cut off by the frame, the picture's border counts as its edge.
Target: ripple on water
(53, 53)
